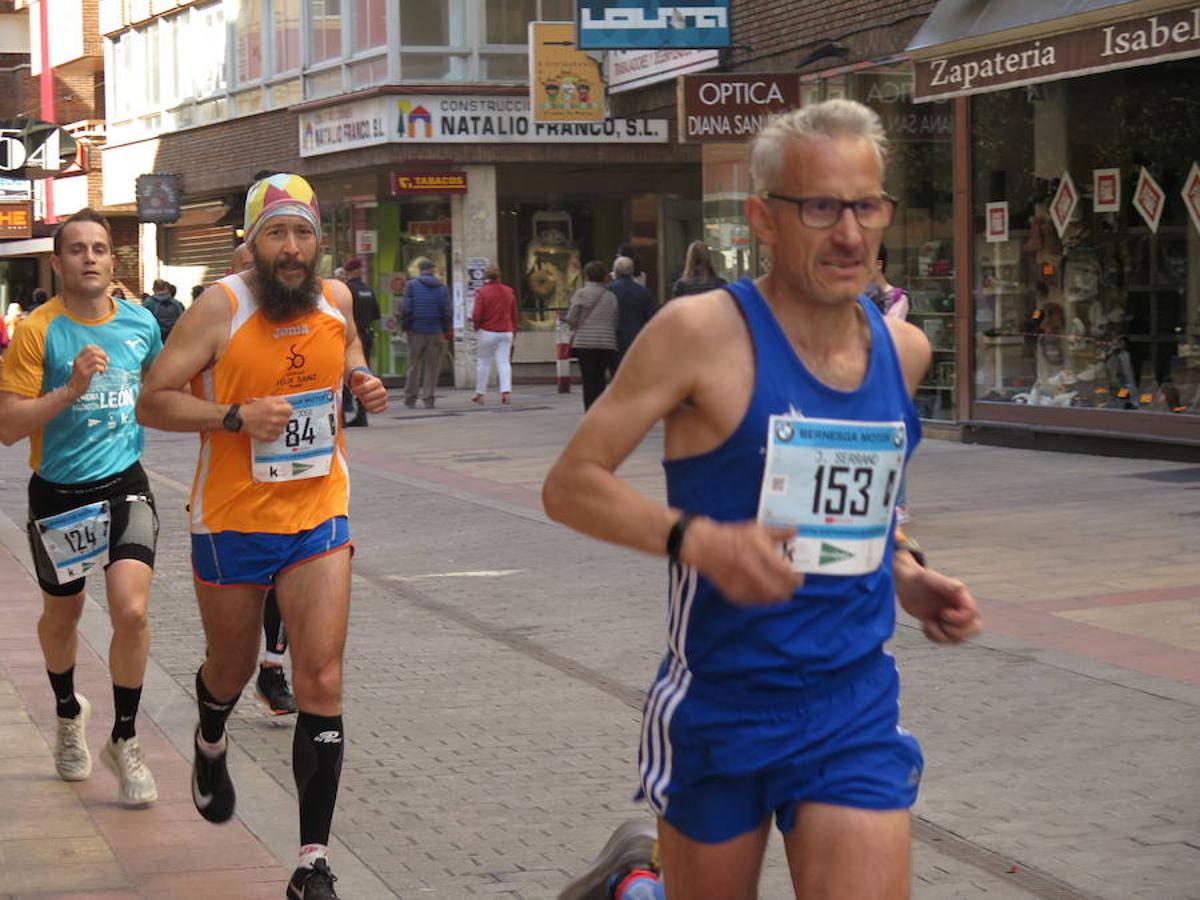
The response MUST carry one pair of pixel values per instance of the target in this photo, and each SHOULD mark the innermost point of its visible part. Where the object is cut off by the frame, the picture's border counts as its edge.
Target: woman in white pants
(495, 321)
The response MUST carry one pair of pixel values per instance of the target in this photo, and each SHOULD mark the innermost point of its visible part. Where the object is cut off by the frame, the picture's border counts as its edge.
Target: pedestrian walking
(494, 319)
(164, 307)
(592, 316)
(635, 306)
(366, 314)
(270, 500)
(426, 321)
(787, 404)
(894, 304)
(69, 383)
(698, 275)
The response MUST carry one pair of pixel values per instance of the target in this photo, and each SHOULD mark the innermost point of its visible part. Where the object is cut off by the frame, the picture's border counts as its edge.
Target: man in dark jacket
(164, 306)
(634, 303)
(426, 321)
(366, 314)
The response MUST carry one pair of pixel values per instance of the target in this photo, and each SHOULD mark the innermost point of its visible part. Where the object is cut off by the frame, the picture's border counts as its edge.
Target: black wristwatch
(233, 419)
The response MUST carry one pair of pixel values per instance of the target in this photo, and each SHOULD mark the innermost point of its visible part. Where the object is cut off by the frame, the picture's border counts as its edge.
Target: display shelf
(935, 387)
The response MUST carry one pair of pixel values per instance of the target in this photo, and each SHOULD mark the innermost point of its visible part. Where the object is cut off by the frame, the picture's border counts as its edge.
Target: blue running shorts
(716, 768)
(255, 558)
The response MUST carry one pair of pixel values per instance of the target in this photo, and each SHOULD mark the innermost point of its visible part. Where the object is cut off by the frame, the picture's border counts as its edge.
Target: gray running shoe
(127, 761)
(71, 756)
(631, 846)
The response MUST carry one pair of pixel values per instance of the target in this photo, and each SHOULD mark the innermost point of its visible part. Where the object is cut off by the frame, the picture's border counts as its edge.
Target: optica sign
(732, 108)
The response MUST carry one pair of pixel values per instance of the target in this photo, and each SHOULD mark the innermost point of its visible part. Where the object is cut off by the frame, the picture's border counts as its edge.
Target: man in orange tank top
(256, 366)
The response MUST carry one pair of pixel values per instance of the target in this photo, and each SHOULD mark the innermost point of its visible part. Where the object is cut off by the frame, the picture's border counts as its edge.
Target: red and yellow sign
(16, 220)
(429, 183)
(564, 83)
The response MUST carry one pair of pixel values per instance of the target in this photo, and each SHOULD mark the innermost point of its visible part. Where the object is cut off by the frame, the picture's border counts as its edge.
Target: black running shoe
(312, 884)
(212, 791)
(271, 687)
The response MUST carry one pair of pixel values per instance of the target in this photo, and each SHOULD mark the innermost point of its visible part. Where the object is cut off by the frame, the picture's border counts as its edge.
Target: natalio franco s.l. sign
(642, 24)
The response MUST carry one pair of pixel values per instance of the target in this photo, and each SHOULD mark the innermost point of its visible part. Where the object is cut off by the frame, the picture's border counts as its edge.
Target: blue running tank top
(747, 654)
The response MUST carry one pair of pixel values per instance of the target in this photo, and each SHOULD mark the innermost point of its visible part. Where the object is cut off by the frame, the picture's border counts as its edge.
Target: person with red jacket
(495, 322)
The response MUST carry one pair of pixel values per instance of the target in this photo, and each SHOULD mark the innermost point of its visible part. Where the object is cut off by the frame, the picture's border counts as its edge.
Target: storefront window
(285, 20)
(1080, 301)
(370, 24)
(434, 67)
(726, 180)
(325, 35)
(248, 28)
(433, 23)
(920, 241)
(508, 20)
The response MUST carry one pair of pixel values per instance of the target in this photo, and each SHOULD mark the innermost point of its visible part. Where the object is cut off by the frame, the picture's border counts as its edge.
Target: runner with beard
(255, 366)
(271, 685)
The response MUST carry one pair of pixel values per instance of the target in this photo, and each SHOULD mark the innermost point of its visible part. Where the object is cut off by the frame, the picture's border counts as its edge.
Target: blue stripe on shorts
(257, 558)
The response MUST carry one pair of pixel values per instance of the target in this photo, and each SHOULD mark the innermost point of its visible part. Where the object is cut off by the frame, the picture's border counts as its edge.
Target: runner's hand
(265, 419)
(91, 359)
(743, 559)
(945, 608)
(370, 391)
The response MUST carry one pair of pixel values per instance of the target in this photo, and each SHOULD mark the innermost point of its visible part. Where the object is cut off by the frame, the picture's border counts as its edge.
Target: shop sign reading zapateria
(461, 119)
(1129, 42)
(732, 107)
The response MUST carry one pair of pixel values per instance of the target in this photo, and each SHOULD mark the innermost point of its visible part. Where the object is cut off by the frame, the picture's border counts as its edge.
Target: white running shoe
(71, 756)
(127, 761)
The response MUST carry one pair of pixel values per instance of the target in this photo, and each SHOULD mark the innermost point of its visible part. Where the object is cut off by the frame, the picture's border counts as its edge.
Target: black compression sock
(317, 764)
(63, 685)
(213, 712)
(125, 702)
(276, 638)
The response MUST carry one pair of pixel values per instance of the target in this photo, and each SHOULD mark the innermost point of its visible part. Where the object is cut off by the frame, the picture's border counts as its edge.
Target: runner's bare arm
(369, 389)
(912, 346)
(21, 416)
(661, 371)
(166, 403)
(945, 608)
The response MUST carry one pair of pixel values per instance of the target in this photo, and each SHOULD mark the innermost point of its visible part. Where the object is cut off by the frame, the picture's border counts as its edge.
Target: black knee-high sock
(273, 625)
(125, 702)
(213, 712)
(317, 764)
(63, 685)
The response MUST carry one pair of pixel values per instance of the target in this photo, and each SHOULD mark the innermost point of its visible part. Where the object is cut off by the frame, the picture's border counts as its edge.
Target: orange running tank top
(265, 358)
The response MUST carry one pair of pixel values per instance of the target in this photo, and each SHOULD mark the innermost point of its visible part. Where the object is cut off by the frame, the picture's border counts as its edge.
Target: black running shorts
(133, 533)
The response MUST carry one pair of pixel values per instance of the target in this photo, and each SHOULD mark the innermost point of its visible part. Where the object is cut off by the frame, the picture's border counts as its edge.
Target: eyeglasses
(824, 212)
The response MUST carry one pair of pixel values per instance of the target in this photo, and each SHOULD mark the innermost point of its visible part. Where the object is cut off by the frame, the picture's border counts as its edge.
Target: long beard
(279, 302)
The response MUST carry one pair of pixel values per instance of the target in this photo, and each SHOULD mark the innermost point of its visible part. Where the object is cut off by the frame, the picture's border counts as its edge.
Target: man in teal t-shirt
(69, 382)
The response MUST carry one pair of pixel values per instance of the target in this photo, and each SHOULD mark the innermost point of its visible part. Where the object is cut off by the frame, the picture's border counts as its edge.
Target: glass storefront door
(1082, 299)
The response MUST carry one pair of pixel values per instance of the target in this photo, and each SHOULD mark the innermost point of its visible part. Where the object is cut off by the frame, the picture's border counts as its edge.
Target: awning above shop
(973, 46)
(28, 247)
(955, 22)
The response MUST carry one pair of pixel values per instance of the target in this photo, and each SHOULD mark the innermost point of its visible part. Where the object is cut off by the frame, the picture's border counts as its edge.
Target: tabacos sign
(1128, 42)
(732, 107)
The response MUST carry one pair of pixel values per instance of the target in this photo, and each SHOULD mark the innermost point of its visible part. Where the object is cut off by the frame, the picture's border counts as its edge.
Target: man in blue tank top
(788, 420)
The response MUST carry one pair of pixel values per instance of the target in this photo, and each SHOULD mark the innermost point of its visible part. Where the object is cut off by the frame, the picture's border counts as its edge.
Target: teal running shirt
(97, 435)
